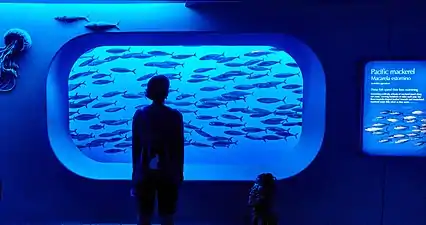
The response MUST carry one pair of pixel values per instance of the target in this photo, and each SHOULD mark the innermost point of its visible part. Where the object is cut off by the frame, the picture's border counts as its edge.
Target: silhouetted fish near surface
(86, 117)
(283, 113)
(260, 114)
(121, 131)
(299, 91)
(253, 130)
(234, 132)
(259, 68)
(78, 96)
(86, 57)
(97, 62)
(295, 115)
(286, 134)
(200, 76)
(257, 53)
(294, 65)
(184, 103)
(115, 122)
(273, 121)
(287, 106)
(257, 76)
(101, 75)
(72, 87)
(237, 94)
(104, 104)
(202, 145)
(232, 64)
(96, 127)
(197, 80)
(291, 124)
(221, 79)
(183, 96)
(71, 19)
(224, 143)
(203, 133)
(212, 56)
(115, 109)
(212, 88)
(147, 76)
(272, 137)
(207, 117)
(232, 117)
(226, 59)
(254, 137)
(75, 112)
(244, 87)
(118, 50)
(82, 137)
(112, 58)
(285, 75)
(237, 109)
(184, 56)
(100, 82)
(82, 74)
(217, 124)
(74, 105)
(141, 56)
(88, 101)
(291, 86)
(123, 70)
(232, 125)
(132, 96)
(188, 111)
(113, 93)
(87, 62)
(269, 63)
(271, 100)
(277, 129)
(159, 53)
(276, 49)
(102, 26)
(252, 62)
(130, 55)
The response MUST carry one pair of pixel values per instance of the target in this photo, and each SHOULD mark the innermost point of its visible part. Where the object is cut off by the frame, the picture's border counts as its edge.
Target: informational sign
(395, 108)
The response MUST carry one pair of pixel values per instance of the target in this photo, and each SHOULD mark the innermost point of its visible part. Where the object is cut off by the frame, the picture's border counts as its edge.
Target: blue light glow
(245, 157)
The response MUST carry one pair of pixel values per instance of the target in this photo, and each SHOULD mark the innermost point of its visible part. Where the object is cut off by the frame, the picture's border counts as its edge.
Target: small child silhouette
(261, 199)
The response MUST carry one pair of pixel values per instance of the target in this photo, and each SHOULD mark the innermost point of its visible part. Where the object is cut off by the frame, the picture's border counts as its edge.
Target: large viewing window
(243, 105)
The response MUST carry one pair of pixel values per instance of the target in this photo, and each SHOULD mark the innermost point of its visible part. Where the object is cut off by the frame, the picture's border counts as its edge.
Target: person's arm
(136, 142)
(180, 144)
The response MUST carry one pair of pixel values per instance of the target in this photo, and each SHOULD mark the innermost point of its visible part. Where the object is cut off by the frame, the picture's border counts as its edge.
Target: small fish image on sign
(405, 127)
(238, 102)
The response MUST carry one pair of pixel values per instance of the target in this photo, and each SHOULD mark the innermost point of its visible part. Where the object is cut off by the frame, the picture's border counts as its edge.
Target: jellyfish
(16, 41)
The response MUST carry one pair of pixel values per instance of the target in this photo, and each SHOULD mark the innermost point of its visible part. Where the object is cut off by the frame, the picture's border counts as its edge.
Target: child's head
(266, 179)
(158, 88)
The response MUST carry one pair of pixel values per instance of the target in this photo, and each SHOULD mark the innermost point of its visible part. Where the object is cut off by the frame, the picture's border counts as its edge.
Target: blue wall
(340, 187)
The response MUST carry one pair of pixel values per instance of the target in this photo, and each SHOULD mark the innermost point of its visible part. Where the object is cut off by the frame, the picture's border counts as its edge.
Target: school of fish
(399, 128)
(224, 108)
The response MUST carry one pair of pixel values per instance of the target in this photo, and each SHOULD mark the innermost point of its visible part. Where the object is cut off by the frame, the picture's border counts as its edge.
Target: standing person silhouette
(158, 155)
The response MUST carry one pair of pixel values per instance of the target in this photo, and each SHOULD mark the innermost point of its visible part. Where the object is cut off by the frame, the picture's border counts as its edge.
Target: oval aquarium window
(245, 105)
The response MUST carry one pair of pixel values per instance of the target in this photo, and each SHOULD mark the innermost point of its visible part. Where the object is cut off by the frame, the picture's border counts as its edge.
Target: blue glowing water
(246, 107)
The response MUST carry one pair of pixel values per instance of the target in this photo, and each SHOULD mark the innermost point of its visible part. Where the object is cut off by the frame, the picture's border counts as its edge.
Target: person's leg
(145, 195)
(167, 200)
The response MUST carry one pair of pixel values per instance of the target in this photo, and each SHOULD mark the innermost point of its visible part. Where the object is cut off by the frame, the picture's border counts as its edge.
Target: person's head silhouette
(158, 89)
